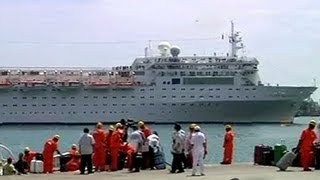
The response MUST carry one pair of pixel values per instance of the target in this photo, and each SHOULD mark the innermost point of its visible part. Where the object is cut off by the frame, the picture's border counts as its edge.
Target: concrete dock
(242, 171)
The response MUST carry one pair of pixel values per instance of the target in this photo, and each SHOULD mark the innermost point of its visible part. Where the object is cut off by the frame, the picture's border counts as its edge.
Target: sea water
(17, 137)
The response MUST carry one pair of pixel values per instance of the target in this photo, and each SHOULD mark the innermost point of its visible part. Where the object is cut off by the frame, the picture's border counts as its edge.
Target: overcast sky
(283, 34)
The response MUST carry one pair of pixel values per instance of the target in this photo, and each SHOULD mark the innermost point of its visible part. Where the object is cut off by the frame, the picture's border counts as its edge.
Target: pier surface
(242, 171)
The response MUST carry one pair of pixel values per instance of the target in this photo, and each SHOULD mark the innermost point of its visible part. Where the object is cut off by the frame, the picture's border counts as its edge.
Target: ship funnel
(164, 48)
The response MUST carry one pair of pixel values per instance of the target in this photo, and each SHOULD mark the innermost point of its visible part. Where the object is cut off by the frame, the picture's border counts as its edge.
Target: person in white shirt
(86, 144)
(178, 145)
(199, 150)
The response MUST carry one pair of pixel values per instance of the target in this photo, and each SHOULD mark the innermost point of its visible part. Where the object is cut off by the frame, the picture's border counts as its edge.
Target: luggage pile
(267, 156)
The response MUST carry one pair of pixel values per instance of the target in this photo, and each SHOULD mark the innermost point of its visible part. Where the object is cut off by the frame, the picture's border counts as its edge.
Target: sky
(284, 35)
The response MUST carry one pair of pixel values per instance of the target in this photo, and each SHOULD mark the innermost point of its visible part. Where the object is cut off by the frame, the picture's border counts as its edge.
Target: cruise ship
(163, 88)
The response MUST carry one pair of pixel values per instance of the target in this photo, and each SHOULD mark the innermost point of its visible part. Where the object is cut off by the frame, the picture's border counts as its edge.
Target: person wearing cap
(146, 156)
(306, 145)
(99, 156)
(8, 168)
(108, 150)
(188, 152)
(228, 145)
(199, 150)
(74, 163)
(29, 155)
(136, 139)
(116, 142)
(50, 146)
(21, 165)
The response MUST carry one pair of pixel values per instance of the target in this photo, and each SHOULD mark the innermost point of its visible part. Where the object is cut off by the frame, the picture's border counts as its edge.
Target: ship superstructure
(163, 89)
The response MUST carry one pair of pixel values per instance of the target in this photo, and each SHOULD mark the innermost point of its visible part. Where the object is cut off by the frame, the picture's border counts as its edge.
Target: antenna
(234, 40)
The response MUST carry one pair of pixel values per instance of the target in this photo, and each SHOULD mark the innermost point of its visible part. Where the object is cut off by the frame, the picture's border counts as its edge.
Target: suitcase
(317, 157)
(260, 152)
(286, 161)
(36, 166)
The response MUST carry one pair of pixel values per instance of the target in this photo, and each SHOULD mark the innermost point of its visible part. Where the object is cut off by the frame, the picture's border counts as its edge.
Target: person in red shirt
(74, 163)
(99, 156)
(29, 156)
(115, 144)
(108, 150)
(146, 131)
(306, 145)
(50, 147)
(228, 145)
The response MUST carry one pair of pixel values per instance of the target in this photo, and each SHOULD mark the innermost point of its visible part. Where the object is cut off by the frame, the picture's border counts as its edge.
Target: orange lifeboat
(32, 83)
(99, 85)
(5, 84)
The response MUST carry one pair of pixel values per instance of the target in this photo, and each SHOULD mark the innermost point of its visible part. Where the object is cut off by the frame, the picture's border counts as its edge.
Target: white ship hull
(254, 104)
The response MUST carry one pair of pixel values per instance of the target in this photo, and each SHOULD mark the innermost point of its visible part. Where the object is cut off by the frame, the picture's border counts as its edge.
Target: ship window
(151, 89)
(182, 73)
(105, 104)
(201, 89)
(238, 89)
(210, 89)
(86, 105)
(4, 105)
(133, 97)
(192, 73)
(230, 96)
(163, 82)
(49, 112)
(85, 97)
(105, 97)
(164, 96)
(103, 112)
(142, 104)
(84, 112)
(230, 89)
(183, 89)
(22, 113)
(173, 104)
(96, 112)
(34, 97)
(72, 105)
(168, 82)
(63, 97)
(34, 105)
(44, 105)
(54, 97)
(24, 105)
(173, 89)
(192, 89)
(210, 96)
(254, 96)
(14, 105)
(133, 104)
(254, 89)
(15, 98)
(191, 96)
(191, 104)
(247, 96)
(91, 112)
(208, 73)
(114, 104)
(183, 96)
(142, 97)
(124, 96)
(123, 104)
(238, 96)
(95, 105)
(164, 89)
(183, 104)
(164, 104)
(44, 97)
(199, 73)
(173, 96)
(24, 97)
(95, 97)
(247, 89)
(176, 81)
(217, 96)
(63, 105)
(218, 89)
(151, 104)
(114, 97)
(141, 89)
(53, 105)
(72, 97)
(200, 96)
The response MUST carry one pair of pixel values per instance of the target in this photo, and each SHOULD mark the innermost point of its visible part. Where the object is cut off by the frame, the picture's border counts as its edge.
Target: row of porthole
(70, 112)
(142, 97)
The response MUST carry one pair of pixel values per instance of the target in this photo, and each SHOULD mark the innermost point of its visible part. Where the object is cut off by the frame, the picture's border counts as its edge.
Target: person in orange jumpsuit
(228, 145)
(306, 145)
(108, 150)
(145, 155)
(115, 144)
(29, 156)
(74, 163)
(99, 156)
(130, 151)
(50, 147)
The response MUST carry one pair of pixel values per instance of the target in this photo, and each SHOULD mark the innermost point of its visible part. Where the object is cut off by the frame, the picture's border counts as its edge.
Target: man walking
(178, 143)
(199, 150)
(86, 145)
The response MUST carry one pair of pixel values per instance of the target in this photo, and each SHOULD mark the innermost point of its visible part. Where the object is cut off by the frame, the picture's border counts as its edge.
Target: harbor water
(17, 137)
